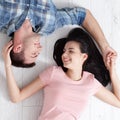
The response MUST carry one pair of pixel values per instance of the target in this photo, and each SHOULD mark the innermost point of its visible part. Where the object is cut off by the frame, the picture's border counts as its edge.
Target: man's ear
(17, 48)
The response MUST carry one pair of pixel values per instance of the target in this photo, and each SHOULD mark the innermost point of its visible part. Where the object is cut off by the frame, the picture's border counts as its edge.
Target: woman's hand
(110, 63)
(6, 53)
(108, 53)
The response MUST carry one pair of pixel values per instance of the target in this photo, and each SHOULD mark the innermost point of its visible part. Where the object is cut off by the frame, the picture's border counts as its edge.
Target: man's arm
(91, 25)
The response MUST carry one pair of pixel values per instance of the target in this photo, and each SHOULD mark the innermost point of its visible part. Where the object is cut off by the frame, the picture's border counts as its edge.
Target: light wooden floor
(107, 13)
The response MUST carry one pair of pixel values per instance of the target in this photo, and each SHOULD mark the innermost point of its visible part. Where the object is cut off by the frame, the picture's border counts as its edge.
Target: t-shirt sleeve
(96, 85)
(46, 75)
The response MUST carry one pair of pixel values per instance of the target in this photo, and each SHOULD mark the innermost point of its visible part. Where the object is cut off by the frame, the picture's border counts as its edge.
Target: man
(28, 20)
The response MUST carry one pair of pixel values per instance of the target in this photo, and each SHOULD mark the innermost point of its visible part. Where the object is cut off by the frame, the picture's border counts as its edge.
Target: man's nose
(37, 45)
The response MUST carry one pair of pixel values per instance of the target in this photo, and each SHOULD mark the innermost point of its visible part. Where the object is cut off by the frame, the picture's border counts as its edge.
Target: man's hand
(6, 53)
(108, 53)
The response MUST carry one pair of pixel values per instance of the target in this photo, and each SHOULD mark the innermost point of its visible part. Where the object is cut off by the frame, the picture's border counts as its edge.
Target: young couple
(27, 20)
(80, 73)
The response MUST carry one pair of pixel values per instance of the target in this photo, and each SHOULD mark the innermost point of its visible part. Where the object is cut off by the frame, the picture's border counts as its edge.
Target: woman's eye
(71, 51)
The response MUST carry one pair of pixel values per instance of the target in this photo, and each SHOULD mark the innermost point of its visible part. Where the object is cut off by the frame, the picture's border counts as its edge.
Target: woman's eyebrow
(71, 48)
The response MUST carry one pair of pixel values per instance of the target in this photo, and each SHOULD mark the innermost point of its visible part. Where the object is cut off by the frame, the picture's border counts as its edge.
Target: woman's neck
(74, 74)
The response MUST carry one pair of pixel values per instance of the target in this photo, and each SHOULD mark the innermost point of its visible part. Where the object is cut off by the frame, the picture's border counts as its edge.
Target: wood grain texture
(107, 13)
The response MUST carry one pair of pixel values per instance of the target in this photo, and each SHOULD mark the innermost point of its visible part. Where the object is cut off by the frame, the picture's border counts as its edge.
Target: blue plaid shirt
(43, 15)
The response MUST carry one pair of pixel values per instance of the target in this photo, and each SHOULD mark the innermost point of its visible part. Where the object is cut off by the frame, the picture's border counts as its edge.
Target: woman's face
(72, 57)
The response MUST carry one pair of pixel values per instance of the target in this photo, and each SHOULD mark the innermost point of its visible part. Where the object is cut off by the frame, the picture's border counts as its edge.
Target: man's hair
(18, 59)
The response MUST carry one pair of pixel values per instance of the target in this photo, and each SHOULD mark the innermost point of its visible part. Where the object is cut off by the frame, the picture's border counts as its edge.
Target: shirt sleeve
(46, 75)
(96, 85)
(70, 16)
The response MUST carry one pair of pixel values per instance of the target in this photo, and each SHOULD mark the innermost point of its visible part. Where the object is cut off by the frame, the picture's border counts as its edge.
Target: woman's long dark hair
(93, 64)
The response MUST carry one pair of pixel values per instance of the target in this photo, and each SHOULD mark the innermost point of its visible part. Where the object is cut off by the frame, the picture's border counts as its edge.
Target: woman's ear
(85, 56)
(17, 48)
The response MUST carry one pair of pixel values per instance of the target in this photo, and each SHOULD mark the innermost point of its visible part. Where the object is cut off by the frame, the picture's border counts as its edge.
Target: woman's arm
(16, 94)
(107, 96)
(115, 81)
(112, 98)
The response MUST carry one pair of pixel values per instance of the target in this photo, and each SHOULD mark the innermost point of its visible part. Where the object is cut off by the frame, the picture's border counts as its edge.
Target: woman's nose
(65, 54)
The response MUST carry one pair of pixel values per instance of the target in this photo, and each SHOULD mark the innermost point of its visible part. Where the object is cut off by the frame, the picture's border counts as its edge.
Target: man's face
(32, 48)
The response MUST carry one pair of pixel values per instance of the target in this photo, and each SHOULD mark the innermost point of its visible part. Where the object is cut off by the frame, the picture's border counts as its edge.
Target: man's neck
(27, 25)
(24, 31)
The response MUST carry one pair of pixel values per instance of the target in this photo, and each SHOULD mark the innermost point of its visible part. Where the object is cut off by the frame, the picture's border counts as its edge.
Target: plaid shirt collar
(13, 13)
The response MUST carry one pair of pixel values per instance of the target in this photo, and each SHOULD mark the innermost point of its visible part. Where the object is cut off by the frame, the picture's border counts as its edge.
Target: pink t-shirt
(65, 99)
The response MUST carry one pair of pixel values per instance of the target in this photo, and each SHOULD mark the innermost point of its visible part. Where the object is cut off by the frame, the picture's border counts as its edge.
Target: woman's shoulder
(91, 78)
(88, 75)
(54, 68)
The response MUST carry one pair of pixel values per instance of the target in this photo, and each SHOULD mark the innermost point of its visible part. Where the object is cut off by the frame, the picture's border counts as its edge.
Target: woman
(68, 86)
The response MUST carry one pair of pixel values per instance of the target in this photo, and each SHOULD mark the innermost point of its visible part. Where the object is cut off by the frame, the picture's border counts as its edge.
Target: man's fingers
(9, 45)
(112, 54)
(10, 48)
(7, 48)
